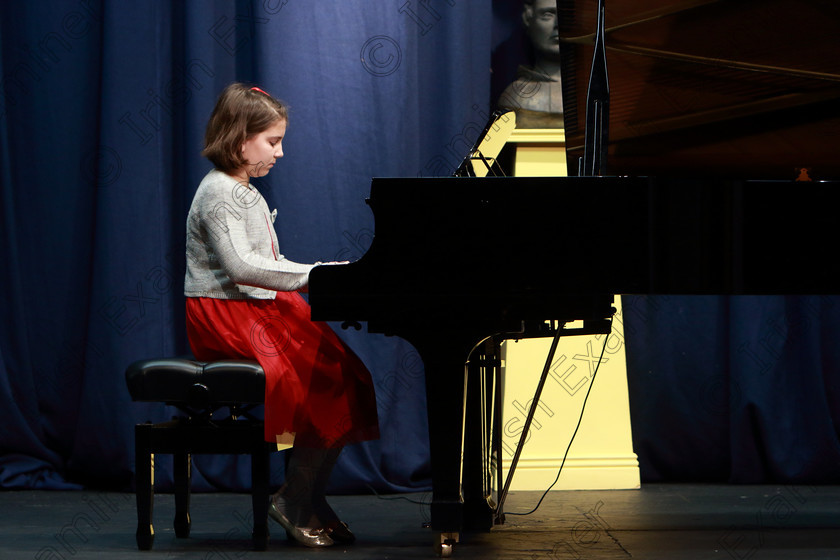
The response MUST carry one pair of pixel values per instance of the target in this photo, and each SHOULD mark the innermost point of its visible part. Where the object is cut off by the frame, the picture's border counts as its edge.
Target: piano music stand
(481, 159)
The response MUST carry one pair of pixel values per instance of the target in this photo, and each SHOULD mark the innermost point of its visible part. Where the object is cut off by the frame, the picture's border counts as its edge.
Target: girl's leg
(295, 497)
(323, 510)
(338, 530)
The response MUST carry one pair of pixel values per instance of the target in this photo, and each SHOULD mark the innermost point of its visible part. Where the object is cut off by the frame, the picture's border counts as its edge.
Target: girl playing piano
(243, 302)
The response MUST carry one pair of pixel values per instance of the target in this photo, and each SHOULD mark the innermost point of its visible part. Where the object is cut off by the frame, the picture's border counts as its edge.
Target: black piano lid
(746, 89)
(623, 235)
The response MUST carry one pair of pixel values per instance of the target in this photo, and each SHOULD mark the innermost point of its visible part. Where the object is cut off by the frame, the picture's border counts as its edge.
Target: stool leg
(182, 463)
(259, 493)
(144, 482)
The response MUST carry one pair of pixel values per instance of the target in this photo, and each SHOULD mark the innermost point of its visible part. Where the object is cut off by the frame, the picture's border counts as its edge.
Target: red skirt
(315, 386)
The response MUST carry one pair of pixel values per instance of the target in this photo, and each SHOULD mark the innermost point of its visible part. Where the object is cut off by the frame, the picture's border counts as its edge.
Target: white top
(232, 246)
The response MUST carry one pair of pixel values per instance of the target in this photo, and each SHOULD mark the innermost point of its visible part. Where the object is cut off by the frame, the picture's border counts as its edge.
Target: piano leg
(444, 359)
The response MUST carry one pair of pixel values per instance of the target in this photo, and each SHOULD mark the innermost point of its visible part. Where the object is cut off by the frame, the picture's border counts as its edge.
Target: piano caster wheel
(444, 544)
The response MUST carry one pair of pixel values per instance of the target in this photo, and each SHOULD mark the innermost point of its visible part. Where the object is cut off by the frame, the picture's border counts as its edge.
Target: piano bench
(198, 390)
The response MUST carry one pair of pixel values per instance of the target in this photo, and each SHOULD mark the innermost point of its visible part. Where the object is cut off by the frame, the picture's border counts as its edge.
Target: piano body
(716, 109)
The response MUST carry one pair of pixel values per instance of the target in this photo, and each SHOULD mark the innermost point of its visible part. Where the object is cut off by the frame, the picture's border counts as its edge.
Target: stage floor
(660, 521)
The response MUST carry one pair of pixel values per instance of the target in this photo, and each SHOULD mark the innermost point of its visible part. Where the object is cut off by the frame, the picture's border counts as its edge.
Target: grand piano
(721, 161)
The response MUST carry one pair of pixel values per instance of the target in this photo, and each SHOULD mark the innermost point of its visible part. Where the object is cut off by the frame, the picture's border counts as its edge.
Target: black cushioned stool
(198, 389)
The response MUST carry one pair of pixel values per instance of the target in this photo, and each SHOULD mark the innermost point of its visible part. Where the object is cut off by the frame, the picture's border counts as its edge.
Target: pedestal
(538, 152)
(601, 456)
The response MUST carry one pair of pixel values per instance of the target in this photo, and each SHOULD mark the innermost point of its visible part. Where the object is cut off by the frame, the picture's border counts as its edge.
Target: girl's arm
(237, 254)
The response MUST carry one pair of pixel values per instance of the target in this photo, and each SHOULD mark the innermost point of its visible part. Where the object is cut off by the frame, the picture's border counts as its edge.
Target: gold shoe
(341, 533)
(306, 536)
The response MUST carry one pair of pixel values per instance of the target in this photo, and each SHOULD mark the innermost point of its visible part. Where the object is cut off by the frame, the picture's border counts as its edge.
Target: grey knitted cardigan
(232, 248)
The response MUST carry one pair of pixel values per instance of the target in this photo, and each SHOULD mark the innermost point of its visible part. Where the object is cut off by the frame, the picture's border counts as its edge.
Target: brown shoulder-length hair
(240, 112)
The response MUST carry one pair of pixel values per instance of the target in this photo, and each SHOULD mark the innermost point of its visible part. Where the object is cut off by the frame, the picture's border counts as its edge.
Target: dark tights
(303, 496)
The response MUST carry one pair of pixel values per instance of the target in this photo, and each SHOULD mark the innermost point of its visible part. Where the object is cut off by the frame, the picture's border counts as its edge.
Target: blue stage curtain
(741, 389)
(102, 112)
